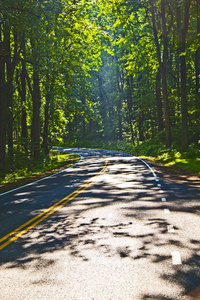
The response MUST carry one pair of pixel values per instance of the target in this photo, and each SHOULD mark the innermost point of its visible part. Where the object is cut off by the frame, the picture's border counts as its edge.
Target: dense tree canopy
(106, 70)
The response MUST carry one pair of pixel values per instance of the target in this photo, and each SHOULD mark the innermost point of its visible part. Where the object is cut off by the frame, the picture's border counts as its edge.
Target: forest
(80, 71)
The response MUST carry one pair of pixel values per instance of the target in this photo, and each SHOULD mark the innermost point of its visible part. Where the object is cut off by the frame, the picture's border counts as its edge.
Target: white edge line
(170, 228)
(154, 174)
(32, 183)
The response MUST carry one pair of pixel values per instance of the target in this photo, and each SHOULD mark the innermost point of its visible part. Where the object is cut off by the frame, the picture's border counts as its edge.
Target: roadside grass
(191, 165)
(24, 169)
(172, 157)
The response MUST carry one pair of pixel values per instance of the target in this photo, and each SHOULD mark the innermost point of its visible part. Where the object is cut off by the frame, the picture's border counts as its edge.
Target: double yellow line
(15, 234)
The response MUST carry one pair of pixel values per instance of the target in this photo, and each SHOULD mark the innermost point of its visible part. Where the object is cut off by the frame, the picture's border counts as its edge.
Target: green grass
(29, 168)
(179, 160)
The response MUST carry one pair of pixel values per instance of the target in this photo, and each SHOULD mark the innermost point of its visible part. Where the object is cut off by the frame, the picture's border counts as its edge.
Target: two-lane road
(107, 228)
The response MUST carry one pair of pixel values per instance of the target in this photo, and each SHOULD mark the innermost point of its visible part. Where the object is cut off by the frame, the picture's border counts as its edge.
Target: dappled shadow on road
(25, 203)
(121, 215)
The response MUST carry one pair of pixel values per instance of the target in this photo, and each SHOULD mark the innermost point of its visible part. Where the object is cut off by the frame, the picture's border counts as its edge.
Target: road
(106, 228)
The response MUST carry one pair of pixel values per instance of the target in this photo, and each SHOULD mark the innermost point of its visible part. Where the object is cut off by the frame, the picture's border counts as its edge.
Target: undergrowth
(24, 168)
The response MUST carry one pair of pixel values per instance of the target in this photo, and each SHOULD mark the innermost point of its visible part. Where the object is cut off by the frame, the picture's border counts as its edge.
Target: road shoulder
(176, 174)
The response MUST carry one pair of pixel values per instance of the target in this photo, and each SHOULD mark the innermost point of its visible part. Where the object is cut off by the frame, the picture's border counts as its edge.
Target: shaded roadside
(20, 182)
(174, 173)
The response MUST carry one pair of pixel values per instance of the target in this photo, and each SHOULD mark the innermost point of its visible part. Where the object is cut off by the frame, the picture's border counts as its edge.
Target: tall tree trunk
(2, 104)
(119, 102)
(36, 106)
(103, 99)
(9, 92)
(119, 108)
(158, 75)
(182, 30)
(24, 131)
(49, 97)
(164, 78)
(46, 124)
(130, 106)
(140, 123)
(83, 116)
(197, 64)
(159, 101)
(36, 115)
(184, 104)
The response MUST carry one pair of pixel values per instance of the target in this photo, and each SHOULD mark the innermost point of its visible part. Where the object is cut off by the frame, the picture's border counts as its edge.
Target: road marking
(158, 184)
(166, 211)
(161, 191)
(164, 199)
(176, 258)
(170, 228)
(152, 171)
(49, 211)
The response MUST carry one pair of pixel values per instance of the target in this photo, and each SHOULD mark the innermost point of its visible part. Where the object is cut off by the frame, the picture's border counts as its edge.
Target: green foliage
(23, 168)
(188, 161)
(98, 64)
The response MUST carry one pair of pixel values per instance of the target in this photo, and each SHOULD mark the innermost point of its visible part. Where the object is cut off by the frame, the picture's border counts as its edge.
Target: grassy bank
(180, 161)
(23, 170)
(172, 157)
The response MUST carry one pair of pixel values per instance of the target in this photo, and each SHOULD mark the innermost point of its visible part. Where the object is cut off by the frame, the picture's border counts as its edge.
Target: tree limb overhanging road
(106, 228)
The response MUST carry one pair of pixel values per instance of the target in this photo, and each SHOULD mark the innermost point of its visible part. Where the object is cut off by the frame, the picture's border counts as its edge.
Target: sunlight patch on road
(170, 228)
(176, 258)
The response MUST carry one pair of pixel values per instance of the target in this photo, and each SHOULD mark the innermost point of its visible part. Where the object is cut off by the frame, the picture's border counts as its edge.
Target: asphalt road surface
(106, 228)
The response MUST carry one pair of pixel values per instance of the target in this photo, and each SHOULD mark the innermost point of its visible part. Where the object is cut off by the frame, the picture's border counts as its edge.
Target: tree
(182, 27)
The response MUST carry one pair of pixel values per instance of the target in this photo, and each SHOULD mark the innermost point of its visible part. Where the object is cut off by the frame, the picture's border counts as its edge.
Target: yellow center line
(47, 212)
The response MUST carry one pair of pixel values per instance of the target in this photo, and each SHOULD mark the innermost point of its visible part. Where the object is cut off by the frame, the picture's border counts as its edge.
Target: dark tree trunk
(83, 116)
(36, 115)
(158, 76)
(2, 105)
(104, 104)
(119, 103)
(164, 78)
(197, 64)
(9, 92)
(140, 123)
(159, 101)
(46, 124)
(184, 104)
(36, 106)
(49, 91)
(119, 108)
(182, 30)
(24, 131)
(130, 106)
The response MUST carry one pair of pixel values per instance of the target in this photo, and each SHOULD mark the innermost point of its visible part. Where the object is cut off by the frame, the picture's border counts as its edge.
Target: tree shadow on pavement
(120, 216)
